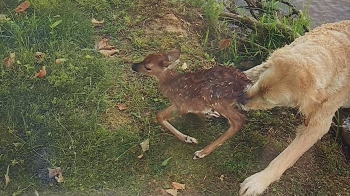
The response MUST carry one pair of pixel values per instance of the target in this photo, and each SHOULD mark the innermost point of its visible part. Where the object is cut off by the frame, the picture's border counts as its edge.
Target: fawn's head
(155, 64)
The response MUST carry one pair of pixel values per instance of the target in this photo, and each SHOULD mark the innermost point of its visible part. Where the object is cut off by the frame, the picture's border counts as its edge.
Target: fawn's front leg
(166, 114)
(236, 121)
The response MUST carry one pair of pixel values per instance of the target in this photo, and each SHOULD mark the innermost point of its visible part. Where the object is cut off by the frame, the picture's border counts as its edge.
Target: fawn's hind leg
(166, 114)
(236, 121)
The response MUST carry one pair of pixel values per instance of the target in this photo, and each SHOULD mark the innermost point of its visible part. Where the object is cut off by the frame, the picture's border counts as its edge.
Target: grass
(70, 119)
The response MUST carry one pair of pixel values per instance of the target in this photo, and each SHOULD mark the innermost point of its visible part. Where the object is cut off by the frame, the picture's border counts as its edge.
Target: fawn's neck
(165, 80)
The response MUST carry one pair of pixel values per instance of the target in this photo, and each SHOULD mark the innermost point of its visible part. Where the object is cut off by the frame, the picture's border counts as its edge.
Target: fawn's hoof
(191, 140)
(198, 154)
(212, 113)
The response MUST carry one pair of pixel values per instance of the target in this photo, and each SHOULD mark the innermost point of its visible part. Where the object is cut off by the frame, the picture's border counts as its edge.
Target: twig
(251, 6)
(252, 23)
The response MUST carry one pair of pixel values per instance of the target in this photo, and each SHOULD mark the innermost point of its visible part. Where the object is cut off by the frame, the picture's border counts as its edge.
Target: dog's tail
(254, 73)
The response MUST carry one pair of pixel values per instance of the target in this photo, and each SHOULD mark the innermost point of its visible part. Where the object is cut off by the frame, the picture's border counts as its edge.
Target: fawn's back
(205, 87)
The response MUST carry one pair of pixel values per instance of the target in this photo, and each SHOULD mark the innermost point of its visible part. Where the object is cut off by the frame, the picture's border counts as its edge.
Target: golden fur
(311, 74)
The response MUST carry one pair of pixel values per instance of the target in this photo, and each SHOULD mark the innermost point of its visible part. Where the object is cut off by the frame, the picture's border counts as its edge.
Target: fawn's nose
(135, 66)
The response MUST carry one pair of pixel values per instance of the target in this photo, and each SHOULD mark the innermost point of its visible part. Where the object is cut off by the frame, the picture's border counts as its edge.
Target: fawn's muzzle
(135, 66)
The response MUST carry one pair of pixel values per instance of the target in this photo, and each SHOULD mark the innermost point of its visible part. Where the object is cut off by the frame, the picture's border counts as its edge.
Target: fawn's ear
(173, 57)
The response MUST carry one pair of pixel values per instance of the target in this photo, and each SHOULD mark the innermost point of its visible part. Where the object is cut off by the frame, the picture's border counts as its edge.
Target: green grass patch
(70, 118)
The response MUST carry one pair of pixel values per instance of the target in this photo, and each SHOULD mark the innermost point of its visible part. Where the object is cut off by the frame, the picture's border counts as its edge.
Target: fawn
(210, 92)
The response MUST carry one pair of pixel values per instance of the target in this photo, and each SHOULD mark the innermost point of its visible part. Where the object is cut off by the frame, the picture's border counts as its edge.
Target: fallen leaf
(109, 53)
(145, 145)
(165, 163)
(56, 173)
(10, 61)
(104, 45)
(53, 172)
(21, 9)
(225, 43)
(105, 48)
(59, 178)
(39, 57)
(59, 61)
(41, 73)
(178, 186)
(222, 178)
(140, 156)
(122, 106)
(97, 23)
(184, 66)
(172, 192)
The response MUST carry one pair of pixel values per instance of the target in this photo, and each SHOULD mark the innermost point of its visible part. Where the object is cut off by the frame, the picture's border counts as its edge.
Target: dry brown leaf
(122, 106)
(10, 61)
(59, 61)
(41, 73)
(57, 174)
(172, 192)
(145, 145)
(39, 57)
(104, 45)
(225, 43)
(59, 178)
(109, 53)
(105, 48)
(21, 9)
(178, 186)
(97, 23)
(53, 172)
(140, 156)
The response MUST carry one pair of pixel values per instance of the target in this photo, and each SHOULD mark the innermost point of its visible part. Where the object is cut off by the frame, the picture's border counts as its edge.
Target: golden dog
(312, 74)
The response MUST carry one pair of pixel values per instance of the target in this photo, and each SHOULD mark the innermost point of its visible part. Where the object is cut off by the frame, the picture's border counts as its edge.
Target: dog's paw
(191, 140)
(254, 185)
(198, 154)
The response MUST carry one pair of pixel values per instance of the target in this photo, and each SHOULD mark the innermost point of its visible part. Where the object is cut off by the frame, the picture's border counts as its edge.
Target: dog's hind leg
(236, 121)
(307, 136)
(166, 114)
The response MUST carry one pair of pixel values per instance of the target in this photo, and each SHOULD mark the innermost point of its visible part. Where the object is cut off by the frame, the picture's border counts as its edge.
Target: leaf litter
(105, 48)
(176, 187)
(10, 61)
(144, 146)
(21, 8)
(41, 73)
(56, 173)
